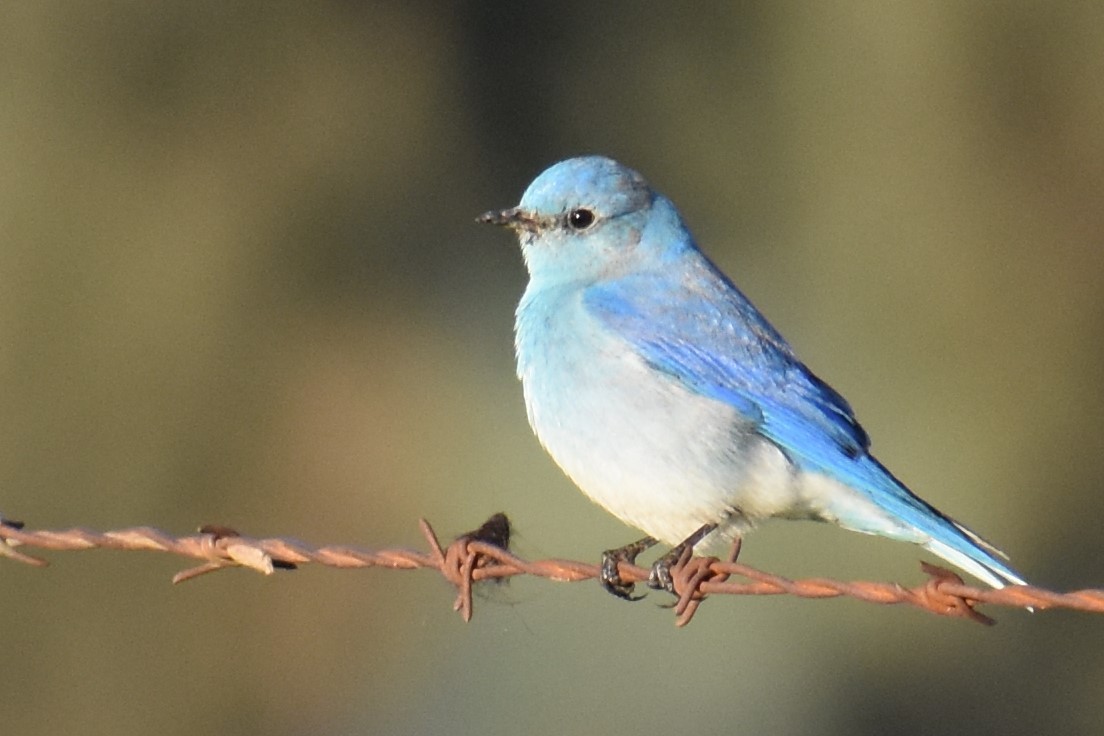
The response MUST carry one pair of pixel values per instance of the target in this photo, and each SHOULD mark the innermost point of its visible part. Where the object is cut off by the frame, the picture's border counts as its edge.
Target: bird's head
(585, 219)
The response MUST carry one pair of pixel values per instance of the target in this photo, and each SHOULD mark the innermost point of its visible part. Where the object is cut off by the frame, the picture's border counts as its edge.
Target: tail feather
(996, 575)
(918, 521)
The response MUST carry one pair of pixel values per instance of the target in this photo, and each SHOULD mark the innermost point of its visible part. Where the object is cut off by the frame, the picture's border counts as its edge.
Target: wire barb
(483, 554)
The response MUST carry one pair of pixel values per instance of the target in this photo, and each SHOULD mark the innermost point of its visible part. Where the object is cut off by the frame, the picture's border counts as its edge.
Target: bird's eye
(580, 219)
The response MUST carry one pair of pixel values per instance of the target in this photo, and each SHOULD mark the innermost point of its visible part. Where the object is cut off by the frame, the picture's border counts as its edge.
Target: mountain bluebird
(671, 401)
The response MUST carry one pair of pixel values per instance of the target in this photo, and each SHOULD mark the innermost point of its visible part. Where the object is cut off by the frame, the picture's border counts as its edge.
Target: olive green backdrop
(240, 282)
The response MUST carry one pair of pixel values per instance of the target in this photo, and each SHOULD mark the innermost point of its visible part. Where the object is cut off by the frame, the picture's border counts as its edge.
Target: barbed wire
(483, 554)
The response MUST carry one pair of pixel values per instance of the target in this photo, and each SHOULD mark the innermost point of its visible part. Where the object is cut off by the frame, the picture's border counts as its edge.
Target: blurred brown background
(240, 283)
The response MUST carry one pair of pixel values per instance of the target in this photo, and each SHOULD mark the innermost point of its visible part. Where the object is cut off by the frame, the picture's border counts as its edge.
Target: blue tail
(922, 523)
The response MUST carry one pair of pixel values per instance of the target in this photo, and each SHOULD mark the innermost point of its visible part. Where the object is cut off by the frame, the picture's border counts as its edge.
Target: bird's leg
(610, 578)
(660, 578)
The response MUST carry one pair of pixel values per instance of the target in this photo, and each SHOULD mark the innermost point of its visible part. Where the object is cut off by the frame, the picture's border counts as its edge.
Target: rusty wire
(483, 555)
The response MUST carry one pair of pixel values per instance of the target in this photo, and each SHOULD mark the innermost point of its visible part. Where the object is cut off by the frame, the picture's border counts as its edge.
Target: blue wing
(703, 332)
(710, 338)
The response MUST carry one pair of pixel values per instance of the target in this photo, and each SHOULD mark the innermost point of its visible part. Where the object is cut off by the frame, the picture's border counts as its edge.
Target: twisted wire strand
(483, 554)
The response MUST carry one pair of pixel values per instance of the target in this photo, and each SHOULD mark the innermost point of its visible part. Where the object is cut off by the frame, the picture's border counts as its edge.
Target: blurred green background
(240, 282)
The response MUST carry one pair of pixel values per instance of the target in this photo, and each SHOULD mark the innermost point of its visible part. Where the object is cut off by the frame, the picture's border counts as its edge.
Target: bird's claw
(660, 577)
(610, 576)
(611, 579)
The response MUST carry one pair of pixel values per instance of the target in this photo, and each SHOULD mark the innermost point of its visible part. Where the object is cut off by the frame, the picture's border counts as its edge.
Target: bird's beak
(514, 218)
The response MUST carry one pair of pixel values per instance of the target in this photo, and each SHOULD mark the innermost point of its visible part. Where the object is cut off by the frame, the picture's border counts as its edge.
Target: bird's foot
(610, 576)
(660, 577)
